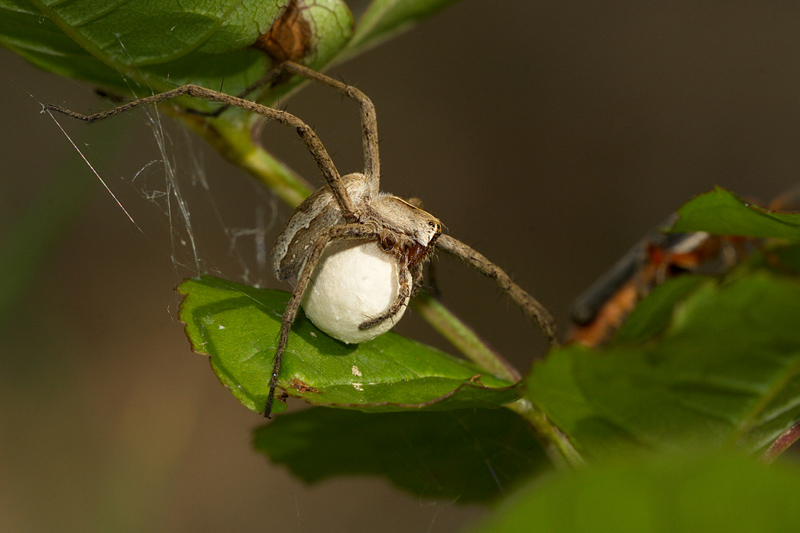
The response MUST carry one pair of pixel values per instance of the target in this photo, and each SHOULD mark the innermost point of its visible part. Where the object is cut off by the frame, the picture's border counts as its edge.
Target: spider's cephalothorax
(357, 253)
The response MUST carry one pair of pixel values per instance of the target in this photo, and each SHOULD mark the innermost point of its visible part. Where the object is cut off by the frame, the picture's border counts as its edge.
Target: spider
(351, 213)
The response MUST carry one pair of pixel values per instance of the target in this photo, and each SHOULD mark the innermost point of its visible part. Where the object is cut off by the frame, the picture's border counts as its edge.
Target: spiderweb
(207, 228)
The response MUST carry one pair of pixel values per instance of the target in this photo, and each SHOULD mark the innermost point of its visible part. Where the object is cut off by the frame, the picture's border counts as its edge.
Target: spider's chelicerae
(361, 223)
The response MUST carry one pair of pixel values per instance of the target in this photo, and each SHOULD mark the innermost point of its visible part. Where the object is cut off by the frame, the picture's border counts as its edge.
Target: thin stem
(555, 443)
(782, 443)
(463, 337)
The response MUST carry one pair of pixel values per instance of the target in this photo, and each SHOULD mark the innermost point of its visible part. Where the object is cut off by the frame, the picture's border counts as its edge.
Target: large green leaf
(722, 213)
(238, 326)
(654, 494)
(722, 368)
(159, 44)
(462, 455)
(131, 46)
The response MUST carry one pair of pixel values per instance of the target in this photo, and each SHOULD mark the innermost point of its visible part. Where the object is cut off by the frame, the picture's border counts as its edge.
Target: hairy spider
(354, 217)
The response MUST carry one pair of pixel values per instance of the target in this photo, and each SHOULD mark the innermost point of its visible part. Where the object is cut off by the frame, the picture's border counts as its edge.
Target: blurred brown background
(549, 135)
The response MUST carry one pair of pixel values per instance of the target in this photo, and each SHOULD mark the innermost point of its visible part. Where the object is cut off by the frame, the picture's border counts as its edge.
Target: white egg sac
(353, 282)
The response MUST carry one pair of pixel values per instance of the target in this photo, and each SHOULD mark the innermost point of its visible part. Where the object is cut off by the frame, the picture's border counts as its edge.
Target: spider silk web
(203, 233)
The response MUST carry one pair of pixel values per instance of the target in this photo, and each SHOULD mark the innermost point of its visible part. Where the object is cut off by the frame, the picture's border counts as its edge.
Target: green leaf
(722, 213)
(238, 326)
(460, 455)
(159, 44)
(707, 493)
(385, 18)
(654, 313)
(724, 369)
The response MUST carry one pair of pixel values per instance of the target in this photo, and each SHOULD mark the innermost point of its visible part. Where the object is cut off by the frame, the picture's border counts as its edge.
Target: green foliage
(722, 368)
(703, 363)
(238, 327)
(138, 46)
(722, 213)
(147, 43)
(658, 494)
(452, 455)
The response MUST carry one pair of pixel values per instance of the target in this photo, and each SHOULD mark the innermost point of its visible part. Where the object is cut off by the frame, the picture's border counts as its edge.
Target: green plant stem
(782, 443)
(236, 141)
(463, 337)
(557, 446)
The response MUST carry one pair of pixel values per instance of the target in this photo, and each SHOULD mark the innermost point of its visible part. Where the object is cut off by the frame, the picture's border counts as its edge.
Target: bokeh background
(549, 135)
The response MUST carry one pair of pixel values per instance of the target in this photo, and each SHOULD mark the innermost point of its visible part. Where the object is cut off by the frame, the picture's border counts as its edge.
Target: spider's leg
(268, 79)
(418, 277)
(310, 138)
(433, 280)
(404, 292)
(344, 232)
(369, 122)
(183, 90)
(528, 303)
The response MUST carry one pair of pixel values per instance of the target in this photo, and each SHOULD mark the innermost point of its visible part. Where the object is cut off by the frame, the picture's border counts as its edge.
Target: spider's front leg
(369, 123)
(528, 303)
(347, 232)
(310, 138)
